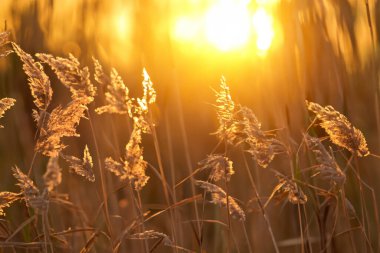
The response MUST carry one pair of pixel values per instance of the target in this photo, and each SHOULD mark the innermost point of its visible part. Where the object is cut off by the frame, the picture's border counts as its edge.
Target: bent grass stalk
(102, 178)
(260, 203)
(163, 177)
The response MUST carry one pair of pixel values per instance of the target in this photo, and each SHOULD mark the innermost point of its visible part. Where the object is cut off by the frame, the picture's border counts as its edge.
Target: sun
(227, 25)
(122, 25)
(263, 29)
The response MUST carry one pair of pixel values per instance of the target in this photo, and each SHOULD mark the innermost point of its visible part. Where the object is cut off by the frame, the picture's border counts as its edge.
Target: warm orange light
(227, 25)
(267, 2)
(263, 28)
(122, 25)
(186, 28)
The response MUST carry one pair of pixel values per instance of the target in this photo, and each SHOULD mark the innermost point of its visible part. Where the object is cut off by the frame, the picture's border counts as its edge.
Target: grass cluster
(202, 212)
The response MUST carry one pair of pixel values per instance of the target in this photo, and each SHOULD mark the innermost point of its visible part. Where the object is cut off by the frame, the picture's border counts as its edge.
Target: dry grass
(129, 198)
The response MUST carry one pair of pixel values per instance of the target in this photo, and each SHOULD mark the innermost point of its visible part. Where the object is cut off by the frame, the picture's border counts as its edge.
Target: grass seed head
(61, 122)
(39, 82)
(288, 187)
(6, 199)
(5, 104)
(221, 167)
(71, 75)
(339, 129)
(219, 197)
(4, 40)
(53, 175)
(327, 168)
(82, 167)
(32, 195)
(117, 96)
(134, 163)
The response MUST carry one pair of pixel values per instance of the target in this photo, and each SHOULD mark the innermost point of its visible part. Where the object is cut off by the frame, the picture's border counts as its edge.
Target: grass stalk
(102, 178)
(260, 204)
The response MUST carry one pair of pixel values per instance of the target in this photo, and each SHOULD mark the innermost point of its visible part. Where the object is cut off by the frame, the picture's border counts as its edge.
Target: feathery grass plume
(5, 104)
(221, 167)
(117, 96)
(149, 92)
(72, 76)
(151, 234)
(225, 108)
(134, 161)
(99, 75)
(140, 121)
(288, 188)
(116, 168)
(82, 167)
(340, 130)
(133, 165)
(4, 40)
(246, 128)
(239, 125)
(39, 82)
(30, 191)
(53, 175)
(219, 197)
(6, 199)
(148, 98)
(61, 122)
(327, 167)
(141, 109)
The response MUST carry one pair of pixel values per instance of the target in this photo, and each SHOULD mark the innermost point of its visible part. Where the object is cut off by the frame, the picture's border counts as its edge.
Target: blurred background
(273, 53)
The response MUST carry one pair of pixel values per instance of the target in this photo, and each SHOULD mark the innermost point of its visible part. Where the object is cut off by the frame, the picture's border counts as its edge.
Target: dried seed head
(99, 75)
(72, 76)
(219, 197)
(149, 91)
(53, 174)
(4, 40)
(39, 82)
(225, 109)
(5, 104)
(239, 125)
(262, 146)
(340, 130)
(82, 167)
(134, 163)
(151, 234)
(62, 122)
(141, 106)
(288, 187)
(25, 183)
(115, 167)
(29, 190)
(6, 199)
(117, 96)
(221, 167)
(327, 166)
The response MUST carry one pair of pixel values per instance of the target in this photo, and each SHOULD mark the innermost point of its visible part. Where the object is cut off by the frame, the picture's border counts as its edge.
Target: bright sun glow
(122, 25)
(227, 25)
(263, 28)
(186, 28)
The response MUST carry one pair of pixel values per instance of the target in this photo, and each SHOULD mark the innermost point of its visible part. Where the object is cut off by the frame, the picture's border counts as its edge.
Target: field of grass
(119, 135)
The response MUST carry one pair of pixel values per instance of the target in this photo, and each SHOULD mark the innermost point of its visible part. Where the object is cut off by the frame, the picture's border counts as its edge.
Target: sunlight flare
(227, 25)
(263, 29)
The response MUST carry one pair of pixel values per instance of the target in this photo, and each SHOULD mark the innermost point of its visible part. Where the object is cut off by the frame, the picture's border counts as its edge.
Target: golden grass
(315, 207)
